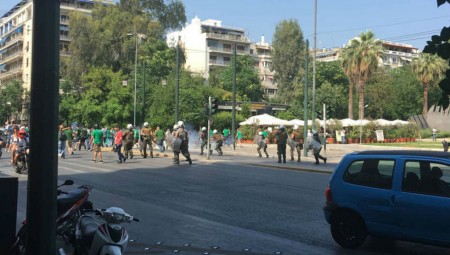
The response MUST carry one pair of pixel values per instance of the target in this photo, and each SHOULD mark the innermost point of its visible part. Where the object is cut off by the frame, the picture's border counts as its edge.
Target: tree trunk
(350, 98)
(361, 98)
(425, 100)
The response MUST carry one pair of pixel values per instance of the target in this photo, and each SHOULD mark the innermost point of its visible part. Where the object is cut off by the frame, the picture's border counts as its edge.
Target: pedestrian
(181, 138)
(239, 138)
(159, 135)
(62, 138)
(445, 145)
(146, 139)
(262, 144)
(97, 143)
(69, 134)
(118, 139)
(204, 140)
(281, 137)
(219, 142)
(343, 136)
(297, 143)
(128, 137)
(316, 147)
(434, 134)
(168, 138)
(136, 137)
(226, 133)
(1, 143)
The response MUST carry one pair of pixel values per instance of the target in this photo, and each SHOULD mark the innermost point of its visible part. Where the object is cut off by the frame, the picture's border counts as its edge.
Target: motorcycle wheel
(19, 167)
(19, 247)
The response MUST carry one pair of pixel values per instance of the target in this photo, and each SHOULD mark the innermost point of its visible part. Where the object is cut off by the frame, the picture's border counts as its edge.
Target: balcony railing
(220, 49)
(11, 56)
(12, 72)
(238, 38)
(219, 62)
(12, 40)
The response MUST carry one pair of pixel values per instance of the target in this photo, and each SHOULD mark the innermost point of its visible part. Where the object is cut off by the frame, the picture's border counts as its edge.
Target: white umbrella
(383, 122)
(399, 122)
(297, 122)
(349, 122)
(264, 120)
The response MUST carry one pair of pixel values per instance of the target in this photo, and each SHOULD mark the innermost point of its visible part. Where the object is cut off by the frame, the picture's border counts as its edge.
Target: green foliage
(223, 120)
(248, 84)
(288, 59)
(248, 132)
(246, 110)
(285, 115)
(334, 97)
(11, 98)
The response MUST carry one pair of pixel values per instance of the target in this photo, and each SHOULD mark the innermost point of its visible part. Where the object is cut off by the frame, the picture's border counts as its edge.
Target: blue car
(402, 195)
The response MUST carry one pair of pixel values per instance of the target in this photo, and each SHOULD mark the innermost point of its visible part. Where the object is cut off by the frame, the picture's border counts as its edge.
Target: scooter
(70, 206)
(22, 162)
(107, 238)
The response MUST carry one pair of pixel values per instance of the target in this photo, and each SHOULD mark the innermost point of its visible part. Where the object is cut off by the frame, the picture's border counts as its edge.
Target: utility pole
(143, 93)
(177, 89)
(314, 67)
(209, 128)
(305, 102)
(233, 120)
(43, 173)
(135, 79)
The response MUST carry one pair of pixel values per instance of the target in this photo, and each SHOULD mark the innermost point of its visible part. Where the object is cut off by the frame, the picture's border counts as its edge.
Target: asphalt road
(235, 204)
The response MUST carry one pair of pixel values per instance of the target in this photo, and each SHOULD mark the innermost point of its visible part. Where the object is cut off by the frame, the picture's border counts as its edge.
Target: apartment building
(262, 53)
(16, 27)
(395, 54)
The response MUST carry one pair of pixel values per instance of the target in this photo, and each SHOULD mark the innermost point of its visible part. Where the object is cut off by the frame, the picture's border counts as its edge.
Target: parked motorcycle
(22, 162)
(106, 238)
(70, 206)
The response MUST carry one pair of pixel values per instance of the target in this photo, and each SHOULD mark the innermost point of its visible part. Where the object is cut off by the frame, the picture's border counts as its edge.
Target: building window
(240, 48)
(27, 63)
(394, 60)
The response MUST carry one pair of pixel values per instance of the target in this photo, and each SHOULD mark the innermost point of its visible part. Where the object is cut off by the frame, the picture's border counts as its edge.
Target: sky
(403, 21)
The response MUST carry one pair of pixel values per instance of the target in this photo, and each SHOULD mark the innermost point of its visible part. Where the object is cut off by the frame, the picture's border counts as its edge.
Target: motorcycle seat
(87, 226)
(66, 201)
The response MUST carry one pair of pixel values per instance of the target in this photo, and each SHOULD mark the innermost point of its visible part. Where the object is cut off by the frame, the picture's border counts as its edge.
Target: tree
(350, 69)
(288, 51)
(428, 70)
(365, 52)
(248, 84)
(11, 96)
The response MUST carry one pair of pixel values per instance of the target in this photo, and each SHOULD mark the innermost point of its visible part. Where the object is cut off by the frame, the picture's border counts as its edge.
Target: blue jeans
(119, 152)
(62, 148)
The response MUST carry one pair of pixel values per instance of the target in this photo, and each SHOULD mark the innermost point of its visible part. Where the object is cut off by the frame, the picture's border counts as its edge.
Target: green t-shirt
(160, 134)
(239, 134)
(98, 135)
(226, 132)
(264, 134)
(69, 134)
(136, 133)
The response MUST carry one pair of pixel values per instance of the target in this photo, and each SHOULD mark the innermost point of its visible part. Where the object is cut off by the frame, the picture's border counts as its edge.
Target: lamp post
(8, 109)
(135, 76)
(360, 124)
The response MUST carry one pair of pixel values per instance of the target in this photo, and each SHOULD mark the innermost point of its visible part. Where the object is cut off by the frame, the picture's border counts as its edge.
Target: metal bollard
(8, 213)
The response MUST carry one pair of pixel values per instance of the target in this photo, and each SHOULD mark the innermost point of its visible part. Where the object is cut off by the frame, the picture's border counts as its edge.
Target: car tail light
(328, 195)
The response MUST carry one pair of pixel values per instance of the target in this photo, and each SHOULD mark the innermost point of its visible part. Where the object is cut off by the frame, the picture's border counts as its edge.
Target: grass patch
(427, 144)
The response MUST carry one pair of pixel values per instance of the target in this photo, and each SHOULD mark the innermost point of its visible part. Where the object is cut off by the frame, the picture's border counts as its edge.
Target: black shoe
(292, 159)
(190, 161)
(131, 157)
(284, 161)
(201, 153)
(279, 161)
(259, 156)
(124, 159)
(316, 163)
(267, 156)
(325, 160)
(119, 162)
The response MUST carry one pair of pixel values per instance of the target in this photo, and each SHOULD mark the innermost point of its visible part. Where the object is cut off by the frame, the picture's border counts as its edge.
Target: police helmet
(215, 131)
(281, 126)
(129, 126)
(145, 124)
(175, 127)
(295, 126)
(260, 133)
(203, 128)
(180, 123)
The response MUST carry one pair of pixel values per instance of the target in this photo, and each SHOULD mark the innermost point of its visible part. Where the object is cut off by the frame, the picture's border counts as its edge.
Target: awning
(2, 41)
(2, 67)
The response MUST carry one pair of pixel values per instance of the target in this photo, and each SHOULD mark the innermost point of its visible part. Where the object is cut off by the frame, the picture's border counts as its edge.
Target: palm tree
(348, 65)
(428, 69)
(368, 52)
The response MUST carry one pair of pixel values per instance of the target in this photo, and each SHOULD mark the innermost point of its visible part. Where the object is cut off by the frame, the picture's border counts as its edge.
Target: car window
(371, 172)
(426, 177)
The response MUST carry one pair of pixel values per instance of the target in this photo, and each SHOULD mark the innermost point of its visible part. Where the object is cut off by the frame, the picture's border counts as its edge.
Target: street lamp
(8, 109)
(360, 124)
(135, 76)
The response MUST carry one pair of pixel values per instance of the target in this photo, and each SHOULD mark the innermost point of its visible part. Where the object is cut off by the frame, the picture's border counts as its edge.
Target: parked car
(402, 195)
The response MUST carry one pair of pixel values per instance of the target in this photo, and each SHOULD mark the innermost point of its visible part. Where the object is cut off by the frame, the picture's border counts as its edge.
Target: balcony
(13, 72)
(12, 56)
(13, 39)
(64, 53)
(234, 38)
(219, 62)
(220, 49)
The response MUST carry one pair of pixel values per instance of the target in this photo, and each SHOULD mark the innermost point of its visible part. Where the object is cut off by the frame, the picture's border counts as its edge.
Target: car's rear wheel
(348, 229)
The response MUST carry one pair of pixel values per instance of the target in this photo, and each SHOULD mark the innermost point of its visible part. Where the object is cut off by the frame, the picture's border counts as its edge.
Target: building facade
(16, 36)
(209, 45)
(395, 54)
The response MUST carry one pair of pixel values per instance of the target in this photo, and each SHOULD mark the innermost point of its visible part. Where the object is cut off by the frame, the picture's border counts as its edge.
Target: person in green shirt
(160, 136)
(239, 138)
(97, 140)
(226, 133)
(69, 142)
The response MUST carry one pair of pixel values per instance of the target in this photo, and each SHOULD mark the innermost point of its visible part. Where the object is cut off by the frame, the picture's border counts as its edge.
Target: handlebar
(112, 214)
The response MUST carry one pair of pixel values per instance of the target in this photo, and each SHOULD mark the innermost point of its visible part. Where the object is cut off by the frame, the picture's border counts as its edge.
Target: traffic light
(214, 105)
(328, 112)
(319, 115)
(207, 109)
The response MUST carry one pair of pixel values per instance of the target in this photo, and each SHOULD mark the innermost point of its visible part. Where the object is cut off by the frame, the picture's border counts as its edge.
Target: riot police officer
(128, 137)
(181, 137)
(147, 139)
(297, 144)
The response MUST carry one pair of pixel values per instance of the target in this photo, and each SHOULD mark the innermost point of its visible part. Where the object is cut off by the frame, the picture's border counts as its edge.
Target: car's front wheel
(348, 229)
